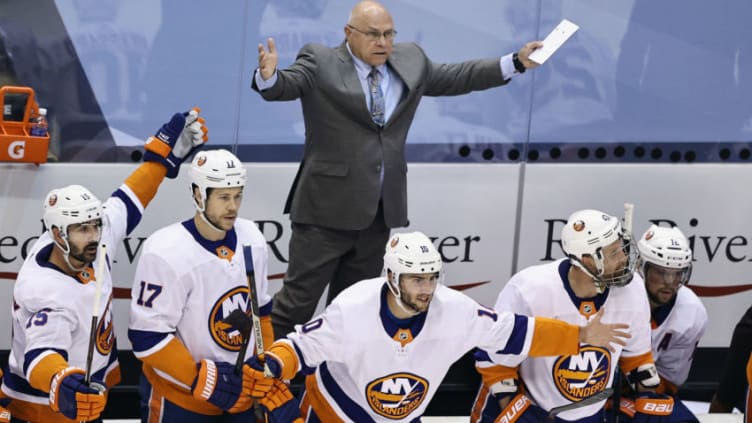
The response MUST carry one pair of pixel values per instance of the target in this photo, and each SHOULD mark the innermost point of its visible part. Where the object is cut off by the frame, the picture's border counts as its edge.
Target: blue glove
(272, 365)
(75, 399)
(176, 140)
(218, 384)
(279, 404)
(652, 408)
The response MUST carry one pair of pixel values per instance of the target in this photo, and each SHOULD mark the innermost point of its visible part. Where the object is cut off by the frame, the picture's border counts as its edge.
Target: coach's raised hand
(267, 60)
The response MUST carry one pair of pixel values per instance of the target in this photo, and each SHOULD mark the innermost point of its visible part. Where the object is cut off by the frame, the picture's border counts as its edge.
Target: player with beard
(53, 295)
(379, 351)
(596, 278)
(678, 318)
(189, 280)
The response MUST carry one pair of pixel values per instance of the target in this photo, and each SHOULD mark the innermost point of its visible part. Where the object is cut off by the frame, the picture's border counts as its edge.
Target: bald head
(366, 11)
(370, 32)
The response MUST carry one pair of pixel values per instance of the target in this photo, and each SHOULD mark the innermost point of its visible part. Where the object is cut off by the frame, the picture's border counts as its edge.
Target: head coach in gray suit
(358, 99)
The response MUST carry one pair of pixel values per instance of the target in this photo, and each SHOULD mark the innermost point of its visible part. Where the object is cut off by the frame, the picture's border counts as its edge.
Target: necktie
(377, 97)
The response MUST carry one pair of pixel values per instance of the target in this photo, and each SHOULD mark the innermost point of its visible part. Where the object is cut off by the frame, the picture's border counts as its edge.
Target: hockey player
(379, 352)
(54, 293)
(189, 279)
(594, 278)
(678, 318)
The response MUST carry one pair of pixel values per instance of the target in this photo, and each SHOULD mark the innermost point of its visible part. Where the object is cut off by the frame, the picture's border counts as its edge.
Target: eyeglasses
(376, 35)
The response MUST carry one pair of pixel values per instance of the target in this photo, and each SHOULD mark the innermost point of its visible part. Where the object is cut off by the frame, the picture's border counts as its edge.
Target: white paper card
(554, 40)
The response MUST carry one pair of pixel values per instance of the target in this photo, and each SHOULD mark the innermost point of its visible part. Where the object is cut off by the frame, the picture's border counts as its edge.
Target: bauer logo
(105, 331)
(397, 395)
(582, 375)
(223, 333)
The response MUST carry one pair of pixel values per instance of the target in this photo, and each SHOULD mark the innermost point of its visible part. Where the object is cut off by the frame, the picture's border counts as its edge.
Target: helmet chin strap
(600, 285)
(66, 258)
(398, 296)
(211, 225)
(202, 212)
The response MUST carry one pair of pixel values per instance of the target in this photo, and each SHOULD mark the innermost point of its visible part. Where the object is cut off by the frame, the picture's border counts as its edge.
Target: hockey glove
(652, 408)
(218, 384)
(176, 140)
(253, 370)
(4, 415)
(279, 404)
(75, 399)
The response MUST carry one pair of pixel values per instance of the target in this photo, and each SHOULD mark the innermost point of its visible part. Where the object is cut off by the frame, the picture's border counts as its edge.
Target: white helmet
(216, 169)
(411, 253)
(587, 233)
(667, 248)
(70, 205)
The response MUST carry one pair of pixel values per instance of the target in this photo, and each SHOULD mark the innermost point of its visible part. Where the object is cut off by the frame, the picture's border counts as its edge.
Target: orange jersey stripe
(177, 394)
(554, 337)
(145, 180)
(33, 412)
(156, 405)
(496, 373)
(320, 405)
(113, 377)
(41, 375)
(627, 364)
(480, 401)
(175, 360)
(267, 331)
(285, 353)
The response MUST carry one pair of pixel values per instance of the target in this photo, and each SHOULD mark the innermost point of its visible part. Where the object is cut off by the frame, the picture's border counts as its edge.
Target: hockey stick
(99, 279)
(628, 213)
(600, 396)
(255, 319)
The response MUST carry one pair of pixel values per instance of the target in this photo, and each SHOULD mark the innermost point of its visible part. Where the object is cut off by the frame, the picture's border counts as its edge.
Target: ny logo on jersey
(582, 375)
(223, 333)
(396, 396)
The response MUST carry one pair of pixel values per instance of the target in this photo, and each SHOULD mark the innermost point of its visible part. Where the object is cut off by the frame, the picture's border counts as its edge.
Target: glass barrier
(640, 81)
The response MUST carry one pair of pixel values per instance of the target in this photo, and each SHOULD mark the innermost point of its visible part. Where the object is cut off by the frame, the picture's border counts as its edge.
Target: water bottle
(39, 125)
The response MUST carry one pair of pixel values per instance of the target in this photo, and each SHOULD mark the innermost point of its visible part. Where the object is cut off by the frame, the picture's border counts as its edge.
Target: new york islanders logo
(582, 375)
(223, 333)
(396, 396)
(105, 331)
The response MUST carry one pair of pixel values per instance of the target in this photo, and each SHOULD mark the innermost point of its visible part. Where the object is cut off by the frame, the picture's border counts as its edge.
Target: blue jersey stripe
(351, 409)
(143, 340)
(134, 212)
(516, 340)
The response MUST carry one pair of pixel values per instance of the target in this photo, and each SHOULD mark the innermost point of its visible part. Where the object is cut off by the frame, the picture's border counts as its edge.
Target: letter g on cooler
(16, 149)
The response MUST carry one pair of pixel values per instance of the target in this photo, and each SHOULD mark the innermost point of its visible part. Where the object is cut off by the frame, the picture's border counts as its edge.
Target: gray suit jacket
(338, 182)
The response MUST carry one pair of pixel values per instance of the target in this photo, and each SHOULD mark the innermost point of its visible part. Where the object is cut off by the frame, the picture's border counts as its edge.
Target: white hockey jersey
(371, 368)
(677, 328)
(544, 291)
(184, 287)
(52, 311)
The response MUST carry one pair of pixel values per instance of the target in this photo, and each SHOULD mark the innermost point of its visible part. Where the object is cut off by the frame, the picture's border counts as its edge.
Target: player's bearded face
(416, 290)
(614, 259)
(83, 239)
(222, 207)
(662, 283)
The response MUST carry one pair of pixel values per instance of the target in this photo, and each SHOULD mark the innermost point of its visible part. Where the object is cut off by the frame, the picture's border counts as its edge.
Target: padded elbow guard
(645, 375)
